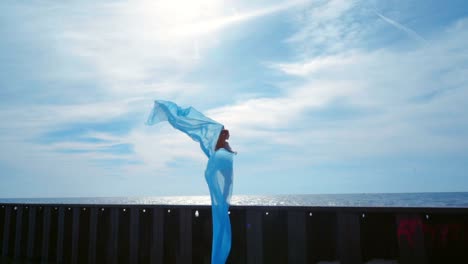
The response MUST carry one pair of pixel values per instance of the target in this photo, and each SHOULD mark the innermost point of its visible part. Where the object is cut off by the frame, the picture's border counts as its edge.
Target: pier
(85, 233)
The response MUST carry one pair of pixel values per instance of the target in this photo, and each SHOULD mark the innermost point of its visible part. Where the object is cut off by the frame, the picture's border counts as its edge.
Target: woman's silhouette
(219, 171)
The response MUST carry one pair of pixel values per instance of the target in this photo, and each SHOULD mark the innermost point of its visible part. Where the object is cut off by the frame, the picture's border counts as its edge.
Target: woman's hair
(223, 135)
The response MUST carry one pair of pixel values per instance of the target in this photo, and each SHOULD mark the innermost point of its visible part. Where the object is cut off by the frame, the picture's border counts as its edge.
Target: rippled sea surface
(459, 199)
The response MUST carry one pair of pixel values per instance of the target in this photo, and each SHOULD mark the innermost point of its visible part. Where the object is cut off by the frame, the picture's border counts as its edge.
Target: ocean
(435, 199)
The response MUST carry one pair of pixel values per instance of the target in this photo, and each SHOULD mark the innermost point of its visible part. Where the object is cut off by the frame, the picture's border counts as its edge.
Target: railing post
(31, 231)
(92, 235)
(134, 234)
(185, 225)
(296, 237)
(60, 233)
(113, 235)
(19, 229)
(6, 231)
(157, 238)
(45, 234)
(254, 236)
(349, 238)
(75, 234)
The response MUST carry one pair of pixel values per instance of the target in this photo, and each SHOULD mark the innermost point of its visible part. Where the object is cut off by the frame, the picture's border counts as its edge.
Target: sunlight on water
(364, 200)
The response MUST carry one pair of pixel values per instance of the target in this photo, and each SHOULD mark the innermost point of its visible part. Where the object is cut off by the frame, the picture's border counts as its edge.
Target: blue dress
(219, 170)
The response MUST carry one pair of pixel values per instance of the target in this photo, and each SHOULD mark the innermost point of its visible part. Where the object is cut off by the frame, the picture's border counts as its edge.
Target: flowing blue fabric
(218, 173)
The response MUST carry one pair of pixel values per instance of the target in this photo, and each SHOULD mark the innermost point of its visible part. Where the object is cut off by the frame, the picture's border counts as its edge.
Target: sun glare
(178, 13)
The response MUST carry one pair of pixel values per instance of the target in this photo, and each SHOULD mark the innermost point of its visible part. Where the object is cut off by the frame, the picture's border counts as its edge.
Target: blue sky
(339, 96)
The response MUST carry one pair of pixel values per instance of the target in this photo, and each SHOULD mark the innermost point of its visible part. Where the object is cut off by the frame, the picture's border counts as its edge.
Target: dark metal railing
(71, 233)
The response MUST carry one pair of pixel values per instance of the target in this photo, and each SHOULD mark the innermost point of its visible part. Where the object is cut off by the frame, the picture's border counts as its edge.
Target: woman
(219, 171)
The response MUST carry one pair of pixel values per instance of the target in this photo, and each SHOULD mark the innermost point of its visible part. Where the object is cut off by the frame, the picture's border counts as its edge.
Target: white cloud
(316, 64)
(326, 27)
(212, 25)
(133, 46)
(407, 101)
(132, 51)
(394, 100)
(329, 10)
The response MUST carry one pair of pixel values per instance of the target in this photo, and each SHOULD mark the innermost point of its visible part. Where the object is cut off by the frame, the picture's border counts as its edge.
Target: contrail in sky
(407, 30)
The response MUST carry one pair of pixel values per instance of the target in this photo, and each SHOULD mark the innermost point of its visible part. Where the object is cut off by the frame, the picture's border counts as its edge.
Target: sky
(338, 96)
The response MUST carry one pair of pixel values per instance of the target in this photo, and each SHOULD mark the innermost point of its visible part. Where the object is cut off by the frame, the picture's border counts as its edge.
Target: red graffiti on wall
(439, 233)
(407, 228)
(443, 233)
